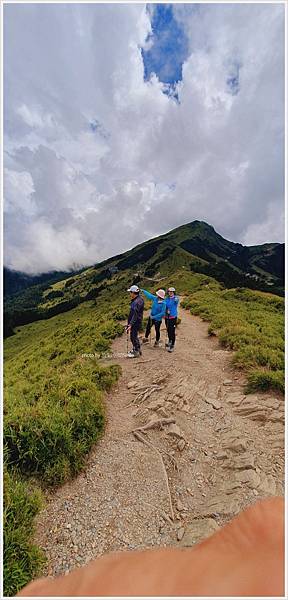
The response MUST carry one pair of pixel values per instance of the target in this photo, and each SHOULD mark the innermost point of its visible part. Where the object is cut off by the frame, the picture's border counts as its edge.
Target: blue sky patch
(169, 48)
(96, 126)
(233, 81)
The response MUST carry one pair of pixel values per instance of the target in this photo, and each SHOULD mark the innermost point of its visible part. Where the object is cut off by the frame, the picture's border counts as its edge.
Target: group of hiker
(163, 307)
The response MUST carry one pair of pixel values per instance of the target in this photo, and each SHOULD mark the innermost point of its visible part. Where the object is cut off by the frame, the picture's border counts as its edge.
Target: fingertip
(34, 588)
(265, 519)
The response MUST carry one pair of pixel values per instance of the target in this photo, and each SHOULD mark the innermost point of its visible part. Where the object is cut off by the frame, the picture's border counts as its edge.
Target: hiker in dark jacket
(135, 320)
(172, 303)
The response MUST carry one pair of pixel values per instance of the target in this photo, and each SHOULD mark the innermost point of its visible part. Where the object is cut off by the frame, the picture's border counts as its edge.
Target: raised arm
(148, 295)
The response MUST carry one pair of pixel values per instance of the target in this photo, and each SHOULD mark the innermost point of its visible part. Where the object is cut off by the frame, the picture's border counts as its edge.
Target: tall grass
(252, 324)
(22, 559)
(53, 414)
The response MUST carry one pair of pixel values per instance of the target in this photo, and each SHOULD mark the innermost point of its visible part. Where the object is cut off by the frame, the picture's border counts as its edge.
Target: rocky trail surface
(184, 450)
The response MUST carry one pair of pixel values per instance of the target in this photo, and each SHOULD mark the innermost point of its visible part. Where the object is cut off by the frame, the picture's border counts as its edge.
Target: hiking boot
(171, 349)
(156, 344)
(145, 340)
(133, 354)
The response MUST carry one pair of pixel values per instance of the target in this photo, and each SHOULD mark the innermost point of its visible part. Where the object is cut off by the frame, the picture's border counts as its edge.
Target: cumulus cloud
(98, 158)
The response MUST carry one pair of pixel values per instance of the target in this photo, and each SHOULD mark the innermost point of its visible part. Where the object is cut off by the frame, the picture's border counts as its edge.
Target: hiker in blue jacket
(172, 303)
(134, 320)
(158, 311)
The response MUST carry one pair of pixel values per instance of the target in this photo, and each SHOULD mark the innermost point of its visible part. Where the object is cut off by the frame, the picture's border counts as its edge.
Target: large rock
(271, 402)
(197, 531)
(235, 398)
(180, 506)
(234, 441)
(162, 412)
(155, 404)
(276, 441)
(231, 486)
(221, 455)
(181, 445)
(236, 445)
(250, 477)
(250, 407)
(174, 431)
(213, 402)
(132, 384)
(277, 416)
(180, 533)
(243, 462)
(213, 390)
(267, 485)
(221, 504)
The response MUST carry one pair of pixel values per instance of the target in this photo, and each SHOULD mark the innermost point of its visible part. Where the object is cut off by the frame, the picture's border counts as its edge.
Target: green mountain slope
(15, 281)
(196, 247)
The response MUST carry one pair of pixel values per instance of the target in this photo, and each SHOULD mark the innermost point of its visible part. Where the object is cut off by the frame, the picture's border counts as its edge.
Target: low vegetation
(22, 560)
(53, 414)
(252, 324)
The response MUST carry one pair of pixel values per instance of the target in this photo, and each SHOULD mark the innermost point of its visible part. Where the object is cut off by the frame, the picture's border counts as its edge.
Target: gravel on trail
(203, 451)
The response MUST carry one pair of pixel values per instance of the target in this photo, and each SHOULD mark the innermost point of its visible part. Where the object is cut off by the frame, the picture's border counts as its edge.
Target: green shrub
(259, 355)
(236, 336)
(101, 344)
(54, 294)
(110, 329)
(262, 379)
(41, 434)
(211, 330)
(69, 282)
(120, 314)
(22, 559)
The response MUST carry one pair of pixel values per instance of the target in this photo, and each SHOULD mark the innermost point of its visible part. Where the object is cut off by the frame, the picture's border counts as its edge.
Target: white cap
(134, 288)
(171, 289)
(161, 294)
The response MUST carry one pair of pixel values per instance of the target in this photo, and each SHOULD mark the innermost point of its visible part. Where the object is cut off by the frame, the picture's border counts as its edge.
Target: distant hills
(15, 281)
(195, 247)
(200, 247)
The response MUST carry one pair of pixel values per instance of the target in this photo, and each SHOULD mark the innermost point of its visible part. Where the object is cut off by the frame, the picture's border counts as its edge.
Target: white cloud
(33, 117)
(19, 190)
(268, 227)
(100, 160)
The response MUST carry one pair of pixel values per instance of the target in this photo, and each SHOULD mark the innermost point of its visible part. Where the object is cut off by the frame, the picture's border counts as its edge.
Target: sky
(124, 121)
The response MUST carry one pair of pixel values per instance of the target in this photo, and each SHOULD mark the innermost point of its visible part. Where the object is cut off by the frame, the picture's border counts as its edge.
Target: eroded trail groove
(183, 451)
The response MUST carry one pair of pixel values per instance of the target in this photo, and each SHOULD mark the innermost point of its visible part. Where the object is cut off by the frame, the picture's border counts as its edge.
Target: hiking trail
(203, 451)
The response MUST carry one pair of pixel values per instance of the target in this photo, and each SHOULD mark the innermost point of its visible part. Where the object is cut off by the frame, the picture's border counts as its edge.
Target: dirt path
(222, 451)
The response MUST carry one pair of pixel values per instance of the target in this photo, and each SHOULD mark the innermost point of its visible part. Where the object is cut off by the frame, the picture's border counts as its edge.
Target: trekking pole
(127, 340)
(150, 325)
(166, 333)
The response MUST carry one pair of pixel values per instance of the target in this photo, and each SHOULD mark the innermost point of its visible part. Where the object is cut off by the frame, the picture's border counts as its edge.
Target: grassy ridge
(53, 409)
(252, 324)
(53, 414)
(22, 559)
